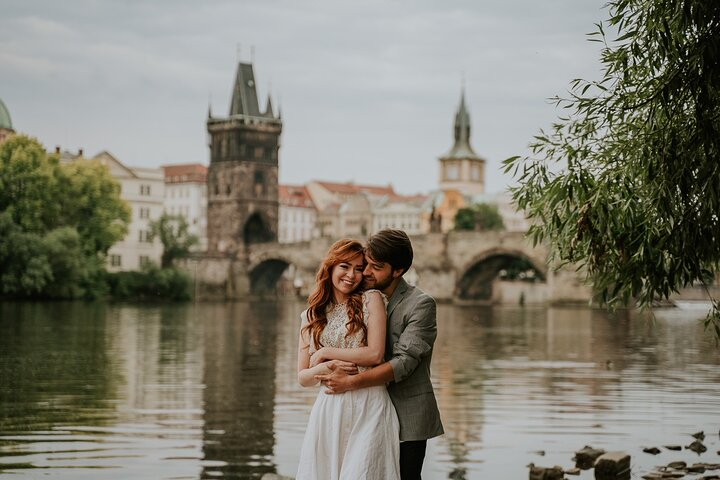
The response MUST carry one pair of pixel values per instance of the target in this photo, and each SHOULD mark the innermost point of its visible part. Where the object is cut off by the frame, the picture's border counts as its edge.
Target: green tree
(90, 200)
(28, 184)
(57, 222)
(24, 266)
(172, 230)
(480, 216)
(627, 183)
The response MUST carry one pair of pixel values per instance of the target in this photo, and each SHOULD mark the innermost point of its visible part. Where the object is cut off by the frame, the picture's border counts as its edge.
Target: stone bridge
(457, 266)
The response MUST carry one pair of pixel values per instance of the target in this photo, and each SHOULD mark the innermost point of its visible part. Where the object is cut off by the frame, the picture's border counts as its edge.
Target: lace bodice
(337, 317)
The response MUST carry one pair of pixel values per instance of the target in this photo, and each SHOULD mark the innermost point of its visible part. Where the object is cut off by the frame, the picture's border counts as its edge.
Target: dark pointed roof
(269, 108)
(245, 100)
(462, 148)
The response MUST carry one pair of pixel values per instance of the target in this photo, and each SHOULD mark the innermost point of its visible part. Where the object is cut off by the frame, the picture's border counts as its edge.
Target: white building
(399, 212)
(186, 195)
(144, 190)
(345, 209)
(297, 215)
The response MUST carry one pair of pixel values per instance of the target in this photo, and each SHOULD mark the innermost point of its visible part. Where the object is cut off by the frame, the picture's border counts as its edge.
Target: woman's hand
(318, 357)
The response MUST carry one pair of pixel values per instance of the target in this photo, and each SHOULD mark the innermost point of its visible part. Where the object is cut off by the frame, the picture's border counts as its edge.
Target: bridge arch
(286, 270)
(478, 277)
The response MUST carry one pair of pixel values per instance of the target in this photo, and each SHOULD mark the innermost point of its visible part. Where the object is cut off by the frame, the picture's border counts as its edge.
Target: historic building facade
(298, 215)
(242, 183)
(461, 169)
(186, 195)
(144, 190)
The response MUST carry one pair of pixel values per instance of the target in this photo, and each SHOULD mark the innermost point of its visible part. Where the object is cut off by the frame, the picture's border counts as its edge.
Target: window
(144, 260)
(475, 172)
(259, 183)
(115, 260)
(144, 212)
(144, 236)
(452, 172)
(144, 189)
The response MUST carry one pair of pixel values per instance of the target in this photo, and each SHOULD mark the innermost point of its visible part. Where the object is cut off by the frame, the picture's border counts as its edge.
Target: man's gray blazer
(411, 333)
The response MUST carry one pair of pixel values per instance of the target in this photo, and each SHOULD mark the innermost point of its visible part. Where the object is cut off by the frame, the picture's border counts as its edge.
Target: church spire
(269, 108)
(244, 99)
(462, 146)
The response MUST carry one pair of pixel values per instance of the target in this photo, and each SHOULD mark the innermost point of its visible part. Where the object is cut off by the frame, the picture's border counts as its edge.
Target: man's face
(378, 275)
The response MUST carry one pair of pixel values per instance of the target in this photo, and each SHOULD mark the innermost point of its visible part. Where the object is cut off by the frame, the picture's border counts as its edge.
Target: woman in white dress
(355, 435)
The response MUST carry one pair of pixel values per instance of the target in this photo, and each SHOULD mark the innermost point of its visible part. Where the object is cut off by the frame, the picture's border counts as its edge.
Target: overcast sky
(368, 89)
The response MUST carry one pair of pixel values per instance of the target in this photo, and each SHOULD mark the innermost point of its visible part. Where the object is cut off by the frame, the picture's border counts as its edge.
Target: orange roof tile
(350, 188)
(185, 173)
(295, 196)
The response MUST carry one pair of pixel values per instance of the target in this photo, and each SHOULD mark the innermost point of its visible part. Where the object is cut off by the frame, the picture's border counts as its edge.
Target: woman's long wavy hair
(322, 296)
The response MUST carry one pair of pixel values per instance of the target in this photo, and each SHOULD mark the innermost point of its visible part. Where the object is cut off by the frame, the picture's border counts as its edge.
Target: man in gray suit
(411, 333)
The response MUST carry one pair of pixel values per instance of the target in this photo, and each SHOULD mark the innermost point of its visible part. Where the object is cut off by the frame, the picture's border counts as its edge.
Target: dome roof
(5, 121)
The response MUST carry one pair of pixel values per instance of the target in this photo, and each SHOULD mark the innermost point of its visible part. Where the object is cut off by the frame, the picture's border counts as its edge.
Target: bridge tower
(243, 173)
(461, 169)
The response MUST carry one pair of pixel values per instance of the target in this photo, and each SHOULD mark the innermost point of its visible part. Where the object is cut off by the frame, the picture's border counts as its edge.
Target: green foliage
(56, 223)
(174, 236)
(28, 184)
(627, 183)
(50, 265)
(480, 216)
(150, 283)
(24, 265)
(90, 200)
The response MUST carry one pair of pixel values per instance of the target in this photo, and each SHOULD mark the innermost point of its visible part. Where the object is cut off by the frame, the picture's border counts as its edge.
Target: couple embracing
(368, 336)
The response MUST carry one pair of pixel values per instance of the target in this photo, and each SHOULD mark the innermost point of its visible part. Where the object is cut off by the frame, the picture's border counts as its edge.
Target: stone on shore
(652, 450)
(586, 457)
(676, 448)
(612, 466)
(697, 447)
(545, 473)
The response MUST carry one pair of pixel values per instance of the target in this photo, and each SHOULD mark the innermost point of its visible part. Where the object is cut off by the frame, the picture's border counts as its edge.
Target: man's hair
(391, 246)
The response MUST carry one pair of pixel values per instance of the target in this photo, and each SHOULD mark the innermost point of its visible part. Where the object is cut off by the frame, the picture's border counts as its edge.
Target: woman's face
(346, 276)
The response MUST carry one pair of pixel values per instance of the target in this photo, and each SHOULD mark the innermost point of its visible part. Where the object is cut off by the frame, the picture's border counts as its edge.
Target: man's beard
(379, 285)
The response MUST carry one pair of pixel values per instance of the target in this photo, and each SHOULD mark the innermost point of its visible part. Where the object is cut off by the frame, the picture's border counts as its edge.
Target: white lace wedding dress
(353, 435)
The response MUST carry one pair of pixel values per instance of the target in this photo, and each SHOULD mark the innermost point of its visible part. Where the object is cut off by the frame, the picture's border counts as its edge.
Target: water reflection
(210, 390)
(240, 346)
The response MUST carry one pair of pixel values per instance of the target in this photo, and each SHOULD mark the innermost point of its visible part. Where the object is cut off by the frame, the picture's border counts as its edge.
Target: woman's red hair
(322, 296)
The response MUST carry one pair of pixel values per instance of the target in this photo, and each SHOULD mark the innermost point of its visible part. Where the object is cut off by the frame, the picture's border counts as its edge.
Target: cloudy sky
(368, 89)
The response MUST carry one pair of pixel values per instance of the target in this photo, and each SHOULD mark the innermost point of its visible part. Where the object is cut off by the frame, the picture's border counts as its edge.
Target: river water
(96, 391)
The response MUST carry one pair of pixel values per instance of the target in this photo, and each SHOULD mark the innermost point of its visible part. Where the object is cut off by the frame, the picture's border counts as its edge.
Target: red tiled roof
(185, 173)
(350, 188)
(295, 196)
(417, 197)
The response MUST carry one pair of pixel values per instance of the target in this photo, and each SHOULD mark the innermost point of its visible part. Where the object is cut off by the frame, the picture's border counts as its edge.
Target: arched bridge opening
(488, 272)
(266, 278)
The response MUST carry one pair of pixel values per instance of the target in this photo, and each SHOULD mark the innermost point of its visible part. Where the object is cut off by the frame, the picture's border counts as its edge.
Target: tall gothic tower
(461, 169)
(243, 173)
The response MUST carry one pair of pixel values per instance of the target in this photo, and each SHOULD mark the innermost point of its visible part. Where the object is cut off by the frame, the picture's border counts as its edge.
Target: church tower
(461, 169)
(242, 181)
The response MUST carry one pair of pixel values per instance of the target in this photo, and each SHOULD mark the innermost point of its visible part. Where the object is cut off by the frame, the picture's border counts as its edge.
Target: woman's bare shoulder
(374, 295)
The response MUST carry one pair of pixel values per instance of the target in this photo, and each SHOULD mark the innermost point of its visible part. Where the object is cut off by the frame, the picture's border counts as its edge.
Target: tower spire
(462, 130)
